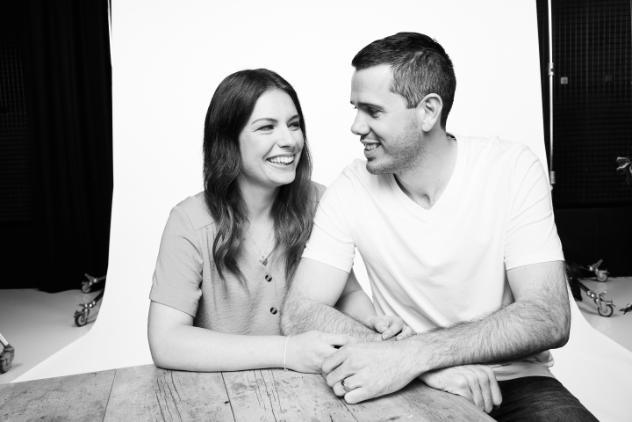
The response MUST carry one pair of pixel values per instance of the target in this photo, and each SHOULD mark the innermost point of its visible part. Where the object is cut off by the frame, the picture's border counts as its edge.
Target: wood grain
(149, 393)
(277, 395)
(146, 393)
(418, 402)
(74, 398)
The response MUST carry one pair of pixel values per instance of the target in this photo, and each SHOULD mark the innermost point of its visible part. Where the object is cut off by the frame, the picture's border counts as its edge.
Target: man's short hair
(420, 67)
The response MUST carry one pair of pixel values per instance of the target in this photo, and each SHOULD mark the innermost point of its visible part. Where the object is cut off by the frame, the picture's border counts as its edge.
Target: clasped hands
(361, 371)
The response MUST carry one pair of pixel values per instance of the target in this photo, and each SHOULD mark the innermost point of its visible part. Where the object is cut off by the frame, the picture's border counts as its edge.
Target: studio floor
(619, 326)
(37, 324)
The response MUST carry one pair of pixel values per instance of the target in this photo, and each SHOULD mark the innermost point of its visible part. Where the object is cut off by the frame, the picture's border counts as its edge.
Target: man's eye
(373, 112)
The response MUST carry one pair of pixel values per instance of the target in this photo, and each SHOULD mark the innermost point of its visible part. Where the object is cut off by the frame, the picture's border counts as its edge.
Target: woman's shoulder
(195, 209)
(317, 191)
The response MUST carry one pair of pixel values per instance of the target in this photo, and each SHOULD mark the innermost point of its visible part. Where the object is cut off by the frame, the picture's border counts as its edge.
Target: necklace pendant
(263, 260)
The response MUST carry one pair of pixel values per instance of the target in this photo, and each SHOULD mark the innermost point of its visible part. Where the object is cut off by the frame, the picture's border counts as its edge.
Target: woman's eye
(294, 126)
(266, 128)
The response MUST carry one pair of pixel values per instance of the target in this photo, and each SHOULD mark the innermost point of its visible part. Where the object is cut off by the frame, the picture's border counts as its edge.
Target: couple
(458, 237)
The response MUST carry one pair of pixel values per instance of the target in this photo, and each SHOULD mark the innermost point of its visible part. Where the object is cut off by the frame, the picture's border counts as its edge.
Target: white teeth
(370, 147)
(282, 160)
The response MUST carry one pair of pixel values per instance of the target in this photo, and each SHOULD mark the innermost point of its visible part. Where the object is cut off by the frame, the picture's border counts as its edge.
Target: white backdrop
(168, 57)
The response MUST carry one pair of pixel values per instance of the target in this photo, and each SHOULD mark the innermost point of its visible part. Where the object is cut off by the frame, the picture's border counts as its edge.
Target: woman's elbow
(161, 349)
(158, 352)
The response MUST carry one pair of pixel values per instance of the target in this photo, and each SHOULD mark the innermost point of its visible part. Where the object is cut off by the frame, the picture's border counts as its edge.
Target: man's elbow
(560, 330)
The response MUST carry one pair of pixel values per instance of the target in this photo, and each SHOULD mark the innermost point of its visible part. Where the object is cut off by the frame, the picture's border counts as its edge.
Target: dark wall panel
(589, 234)
(592, 95)
(592, 56)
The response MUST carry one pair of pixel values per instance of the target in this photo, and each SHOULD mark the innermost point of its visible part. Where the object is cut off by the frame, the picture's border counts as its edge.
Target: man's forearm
(518, 330)
(300, 315)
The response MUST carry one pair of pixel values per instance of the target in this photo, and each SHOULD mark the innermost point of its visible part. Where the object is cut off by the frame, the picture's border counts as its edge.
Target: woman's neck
(258, 232)
(258, 201)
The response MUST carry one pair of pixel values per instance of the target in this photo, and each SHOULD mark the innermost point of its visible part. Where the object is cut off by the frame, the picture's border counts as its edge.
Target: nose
(359, 126)
(288, 138)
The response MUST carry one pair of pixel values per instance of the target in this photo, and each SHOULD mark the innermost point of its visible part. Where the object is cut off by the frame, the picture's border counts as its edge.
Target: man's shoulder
(493, 143)
(497, 150)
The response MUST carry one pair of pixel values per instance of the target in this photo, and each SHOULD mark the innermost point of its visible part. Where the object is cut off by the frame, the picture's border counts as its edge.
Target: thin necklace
(265, 261)
(263, 257)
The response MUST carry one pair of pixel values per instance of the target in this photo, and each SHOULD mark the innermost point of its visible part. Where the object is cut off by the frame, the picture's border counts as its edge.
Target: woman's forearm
(197, 349)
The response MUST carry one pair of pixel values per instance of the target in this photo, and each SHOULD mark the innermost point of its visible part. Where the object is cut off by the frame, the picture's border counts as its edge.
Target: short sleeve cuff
(188, 304)
(535, 258)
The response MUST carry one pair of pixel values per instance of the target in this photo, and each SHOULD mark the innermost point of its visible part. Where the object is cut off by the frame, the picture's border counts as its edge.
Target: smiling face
(271, 142)
(388, 129)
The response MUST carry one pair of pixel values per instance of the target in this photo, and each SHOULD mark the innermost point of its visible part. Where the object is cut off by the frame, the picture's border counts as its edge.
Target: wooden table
(148, 393)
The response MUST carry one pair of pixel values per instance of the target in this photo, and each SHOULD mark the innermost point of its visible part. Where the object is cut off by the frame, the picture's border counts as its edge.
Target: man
(458, 238)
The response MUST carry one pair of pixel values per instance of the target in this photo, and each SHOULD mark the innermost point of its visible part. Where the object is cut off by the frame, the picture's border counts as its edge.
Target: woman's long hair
(231, 107)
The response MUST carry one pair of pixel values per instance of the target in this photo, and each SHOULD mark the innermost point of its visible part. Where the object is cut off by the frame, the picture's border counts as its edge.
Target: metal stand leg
(6, 356)
(82, 316)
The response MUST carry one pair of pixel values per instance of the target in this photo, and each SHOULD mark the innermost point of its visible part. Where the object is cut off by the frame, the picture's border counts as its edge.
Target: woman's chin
(281, 181)
(282, 177)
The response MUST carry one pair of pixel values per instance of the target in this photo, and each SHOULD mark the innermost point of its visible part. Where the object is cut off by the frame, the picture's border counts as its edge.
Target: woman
(227, 253)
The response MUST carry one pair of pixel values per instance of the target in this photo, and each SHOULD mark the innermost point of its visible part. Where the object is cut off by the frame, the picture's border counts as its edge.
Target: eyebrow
(270, 119)
(362, 105)
(264, 119)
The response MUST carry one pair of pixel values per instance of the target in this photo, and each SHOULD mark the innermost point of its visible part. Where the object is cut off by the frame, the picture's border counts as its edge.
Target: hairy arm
(539, 319)
(309, 305)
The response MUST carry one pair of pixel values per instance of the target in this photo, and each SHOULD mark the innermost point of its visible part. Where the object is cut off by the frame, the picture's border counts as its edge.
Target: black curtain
(67, 77)
(16, 201)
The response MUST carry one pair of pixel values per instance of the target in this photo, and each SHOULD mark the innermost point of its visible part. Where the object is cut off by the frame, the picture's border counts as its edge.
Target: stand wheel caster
(605, 310)
(6, 358)
(81, 317)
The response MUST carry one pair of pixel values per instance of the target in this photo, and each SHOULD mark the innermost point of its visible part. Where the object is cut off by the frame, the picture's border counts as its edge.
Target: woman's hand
(476, 383)
(390, 326)
(305, 352)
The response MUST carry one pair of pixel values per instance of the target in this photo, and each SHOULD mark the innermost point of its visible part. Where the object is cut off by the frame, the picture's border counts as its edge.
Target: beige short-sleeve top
(186, 277)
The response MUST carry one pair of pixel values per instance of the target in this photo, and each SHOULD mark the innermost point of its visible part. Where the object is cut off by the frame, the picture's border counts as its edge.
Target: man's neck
(426, 181)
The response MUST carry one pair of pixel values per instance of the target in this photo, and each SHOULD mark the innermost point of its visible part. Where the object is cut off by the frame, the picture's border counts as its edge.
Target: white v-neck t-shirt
(447, 264)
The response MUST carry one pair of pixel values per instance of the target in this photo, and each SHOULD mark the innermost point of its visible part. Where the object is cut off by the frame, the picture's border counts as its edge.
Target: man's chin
(375, 168)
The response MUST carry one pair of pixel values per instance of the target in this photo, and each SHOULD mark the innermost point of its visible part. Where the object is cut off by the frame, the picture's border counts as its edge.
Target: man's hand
(363, 371)
(476, 383)
(390, 326)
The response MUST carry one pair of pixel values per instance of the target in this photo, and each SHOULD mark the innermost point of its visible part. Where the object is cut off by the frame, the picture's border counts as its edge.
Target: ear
(429, 111)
